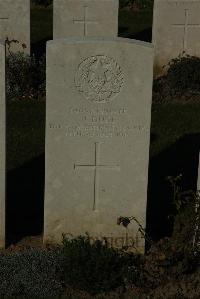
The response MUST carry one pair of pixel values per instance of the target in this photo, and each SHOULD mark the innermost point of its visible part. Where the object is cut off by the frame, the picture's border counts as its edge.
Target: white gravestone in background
(97, 138)
(2, 144)
(15, 23)
(176, 30)
(85, 18)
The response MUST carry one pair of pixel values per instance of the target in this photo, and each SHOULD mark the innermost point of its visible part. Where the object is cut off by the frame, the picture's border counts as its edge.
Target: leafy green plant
(25, 76)
(125, 221)
(180, 197)
(183, 74)
(185, 224)
(181, 81)
(93, 267)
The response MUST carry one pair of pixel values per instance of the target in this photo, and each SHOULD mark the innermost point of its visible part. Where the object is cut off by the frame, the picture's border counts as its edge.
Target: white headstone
(15, 23)
(2, 144)
(97, 138)
(85, 18)
(176, 29)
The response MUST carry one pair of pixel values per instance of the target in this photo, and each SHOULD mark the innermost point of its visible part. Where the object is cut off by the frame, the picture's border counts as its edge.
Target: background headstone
(176, 29)
(2, 144)
(97, 138)
(85, 18)
(15, 23)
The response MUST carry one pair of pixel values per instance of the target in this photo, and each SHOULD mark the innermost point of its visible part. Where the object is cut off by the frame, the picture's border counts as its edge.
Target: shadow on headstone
(25, 201)
(181, 158)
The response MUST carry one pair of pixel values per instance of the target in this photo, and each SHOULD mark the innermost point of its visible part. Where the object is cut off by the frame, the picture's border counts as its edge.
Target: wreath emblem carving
(99, 78)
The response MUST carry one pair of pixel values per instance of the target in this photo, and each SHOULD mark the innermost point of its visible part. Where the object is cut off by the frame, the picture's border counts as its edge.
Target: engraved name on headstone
(97, 137)
(85, 18)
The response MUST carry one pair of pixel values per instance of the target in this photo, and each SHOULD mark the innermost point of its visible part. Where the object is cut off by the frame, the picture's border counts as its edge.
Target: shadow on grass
(25, 201)
(180, 158)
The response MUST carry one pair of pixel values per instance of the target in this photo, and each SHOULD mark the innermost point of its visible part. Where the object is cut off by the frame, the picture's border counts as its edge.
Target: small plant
(180, 197)
(92, 267)
(186, 224)
(25, 75)
(183, 74)
(181, 81)
(125, 221)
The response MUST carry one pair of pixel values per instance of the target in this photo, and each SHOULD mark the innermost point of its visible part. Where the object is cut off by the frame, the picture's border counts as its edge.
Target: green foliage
(183, 74)
(173, 257)
(181, 81)
(25, 76)
(185, 203)
(93, 267)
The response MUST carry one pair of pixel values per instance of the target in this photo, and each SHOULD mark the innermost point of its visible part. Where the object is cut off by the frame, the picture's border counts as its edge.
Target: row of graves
(98, 112)
(175, 31)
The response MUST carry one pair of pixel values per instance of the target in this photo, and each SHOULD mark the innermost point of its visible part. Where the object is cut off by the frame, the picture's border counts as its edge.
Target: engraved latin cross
(185, 26)
(85, 21)
(96, 167)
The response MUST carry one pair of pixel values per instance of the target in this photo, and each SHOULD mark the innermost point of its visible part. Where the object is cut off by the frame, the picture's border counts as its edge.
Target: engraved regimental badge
(99, 78)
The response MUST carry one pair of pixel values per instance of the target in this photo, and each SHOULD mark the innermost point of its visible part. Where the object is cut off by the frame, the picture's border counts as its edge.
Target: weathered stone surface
(97, 138)
(2, 144)
(89, 18)
(15, 23)
(176, 29)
